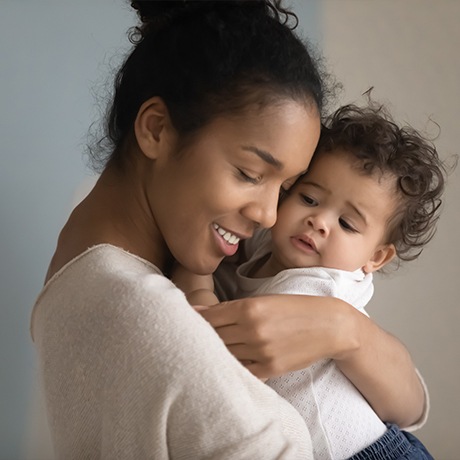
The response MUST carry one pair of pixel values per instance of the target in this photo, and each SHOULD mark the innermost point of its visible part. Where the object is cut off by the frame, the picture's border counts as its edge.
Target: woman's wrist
(346, 329)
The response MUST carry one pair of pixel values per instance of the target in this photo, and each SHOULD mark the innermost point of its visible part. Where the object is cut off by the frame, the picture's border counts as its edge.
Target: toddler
(370, 196)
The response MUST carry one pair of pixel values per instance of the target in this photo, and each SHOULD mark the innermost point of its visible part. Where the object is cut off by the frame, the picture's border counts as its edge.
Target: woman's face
(226, 183)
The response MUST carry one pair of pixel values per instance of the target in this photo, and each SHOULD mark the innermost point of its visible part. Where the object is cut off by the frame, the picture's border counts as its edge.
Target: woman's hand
(276, 334)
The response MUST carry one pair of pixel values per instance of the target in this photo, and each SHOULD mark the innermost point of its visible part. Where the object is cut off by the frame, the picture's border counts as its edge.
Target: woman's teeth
(227, 236)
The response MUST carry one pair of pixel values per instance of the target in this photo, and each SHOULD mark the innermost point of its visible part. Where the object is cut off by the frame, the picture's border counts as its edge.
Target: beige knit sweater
(131, 371)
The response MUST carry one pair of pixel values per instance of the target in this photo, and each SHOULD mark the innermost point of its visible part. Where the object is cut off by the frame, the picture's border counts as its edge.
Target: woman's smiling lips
(228, 241)
(304, 243)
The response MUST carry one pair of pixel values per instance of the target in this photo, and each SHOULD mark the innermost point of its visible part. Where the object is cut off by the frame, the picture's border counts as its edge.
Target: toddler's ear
(382, 256)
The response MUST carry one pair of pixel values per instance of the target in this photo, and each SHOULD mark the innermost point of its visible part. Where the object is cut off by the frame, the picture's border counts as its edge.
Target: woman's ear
(382, 256)
(152, 127)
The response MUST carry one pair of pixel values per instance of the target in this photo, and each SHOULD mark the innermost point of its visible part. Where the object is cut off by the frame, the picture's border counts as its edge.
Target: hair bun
(150, 10)
(158, 10)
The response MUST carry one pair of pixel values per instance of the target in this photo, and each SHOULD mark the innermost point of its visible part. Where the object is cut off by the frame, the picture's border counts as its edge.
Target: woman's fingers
(252, 360)
(223, 314)
(200, 308)
(231, 335)
(237, 322)
(258, 370)
(243, 352)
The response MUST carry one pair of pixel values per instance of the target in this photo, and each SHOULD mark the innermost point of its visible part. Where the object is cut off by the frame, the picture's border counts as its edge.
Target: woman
(216, 108)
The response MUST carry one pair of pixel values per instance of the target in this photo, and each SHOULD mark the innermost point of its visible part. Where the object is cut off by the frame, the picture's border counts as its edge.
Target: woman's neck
(116, 212)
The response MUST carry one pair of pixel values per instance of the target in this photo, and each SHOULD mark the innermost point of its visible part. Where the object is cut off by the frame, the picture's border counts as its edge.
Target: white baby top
(131, 371)
(340, 420)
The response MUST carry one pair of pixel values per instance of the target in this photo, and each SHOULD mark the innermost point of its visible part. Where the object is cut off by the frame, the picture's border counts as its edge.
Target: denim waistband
(394, 445)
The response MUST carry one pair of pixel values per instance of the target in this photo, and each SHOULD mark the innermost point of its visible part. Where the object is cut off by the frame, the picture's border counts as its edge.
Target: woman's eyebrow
(264, 155)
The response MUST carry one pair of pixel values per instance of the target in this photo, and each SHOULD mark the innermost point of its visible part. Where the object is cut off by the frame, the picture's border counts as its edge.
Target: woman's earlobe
(150, 127)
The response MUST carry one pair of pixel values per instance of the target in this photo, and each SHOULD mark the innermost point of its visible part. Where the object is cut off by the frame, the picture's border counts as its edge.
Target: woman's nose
(262, 210)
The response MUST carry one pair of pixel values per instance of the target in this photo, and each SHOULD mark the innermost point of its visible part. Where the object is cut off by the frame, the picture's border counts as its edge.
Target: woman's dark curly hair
(402, 154)
(209, 58)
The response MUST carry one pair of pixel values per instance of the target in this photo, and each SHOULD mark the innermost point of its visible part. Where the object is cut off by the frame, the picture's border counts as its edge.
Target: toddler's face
(334, 217)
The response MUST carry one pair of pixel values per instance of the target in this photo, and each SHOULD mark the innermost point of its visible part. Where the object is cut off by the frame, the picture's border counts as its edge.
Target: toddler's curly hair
(401, 153)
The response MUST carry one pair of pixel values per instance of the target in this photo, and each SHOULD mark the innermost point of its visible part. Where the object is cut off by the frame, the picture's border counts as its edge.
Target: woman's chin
(203, 268)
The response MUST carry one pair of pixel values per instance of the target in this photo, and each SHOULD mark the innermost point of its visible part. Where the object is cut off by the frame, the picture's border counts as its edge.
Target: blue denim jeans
(394, 445)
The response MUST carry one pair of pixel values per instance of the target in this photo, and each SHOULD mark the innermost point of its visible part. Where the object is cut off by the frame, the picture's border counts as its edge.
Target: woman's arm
(381, 367)
(280, 333)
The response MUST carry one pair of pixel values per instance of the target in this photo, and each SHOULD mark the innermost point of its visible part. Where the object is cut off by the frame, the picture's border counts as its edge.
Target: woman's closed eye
(246, 177)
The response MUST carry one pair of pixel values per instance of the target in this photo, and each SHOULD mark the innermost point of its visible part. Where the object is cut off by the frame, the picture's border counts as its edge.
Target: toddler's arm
(199, 289)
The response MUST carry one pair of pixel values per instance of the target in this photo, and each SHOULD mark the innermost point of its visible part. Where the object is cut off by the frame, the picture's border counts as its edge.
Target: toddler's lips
(306, 242)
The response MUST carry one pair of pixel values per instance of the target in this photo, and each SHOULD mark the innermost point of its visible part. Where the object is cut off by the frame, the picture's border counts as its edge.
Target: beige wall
(409, 52)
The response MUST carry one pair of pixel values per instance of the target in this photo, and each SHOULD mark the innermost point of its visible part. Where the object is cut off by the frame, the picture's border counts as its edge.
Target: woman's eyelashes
(247, 177)
(287, 184)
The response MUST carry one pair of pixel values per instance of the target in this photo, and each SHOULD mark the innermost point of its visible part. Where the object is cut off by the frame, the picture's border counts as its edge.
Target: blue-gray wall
(53, 54)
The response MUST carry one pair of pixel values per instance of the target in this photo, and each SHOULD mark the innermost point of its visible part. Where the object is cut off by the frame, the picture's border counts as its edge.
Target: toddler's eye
(346, 226)
(308, 200)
